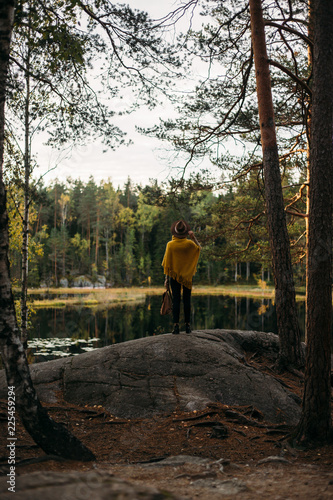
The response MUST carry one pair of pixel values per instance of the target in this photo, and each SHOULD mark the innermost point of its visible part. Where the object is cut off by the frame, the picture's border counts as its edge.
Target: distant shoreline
(92, 297)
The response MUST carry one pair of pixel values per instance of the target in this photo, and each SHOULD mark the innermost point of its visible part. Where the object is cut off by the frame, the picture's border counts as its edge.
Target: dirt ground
(244, 451)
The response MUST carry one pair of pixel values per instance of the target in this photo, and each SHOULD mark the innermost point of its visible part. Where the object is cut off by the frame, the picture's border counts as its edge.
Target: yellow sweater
(180, 260)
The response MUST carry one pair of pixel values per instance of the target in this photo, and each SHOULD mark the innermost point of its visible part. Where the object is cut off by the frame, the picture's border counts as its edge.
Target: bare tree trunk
(247, 271)
(55, 227)
(308, 131)
(38, 218)
(315, 424)
(25, 229)
(291, 353)
(49, 435)
(88, 233)
(55, 266)
(64, 255)
(97, 237)
(107, 252)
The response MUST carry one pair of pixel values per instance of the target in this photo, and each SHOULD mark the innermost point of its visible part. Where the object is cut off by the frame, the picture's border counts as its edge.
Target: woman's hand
(192, 236)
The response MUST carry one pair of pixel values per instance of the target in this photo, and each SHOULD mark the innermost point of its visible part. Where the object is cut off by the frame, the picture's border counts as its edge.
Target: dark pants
(176, 292)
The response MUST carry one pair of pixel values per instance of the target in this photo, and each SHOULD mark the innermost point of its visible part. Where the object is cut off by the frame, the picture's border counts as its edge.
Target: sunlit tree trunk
(308, 131)
(291, 353)
(315, 424)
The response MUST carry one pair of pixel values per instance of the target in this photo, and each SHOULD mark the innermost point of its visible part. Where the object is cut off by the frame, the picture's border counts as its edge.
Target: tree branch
(305, 38)
(297, 214)
(38, 77)
(292, 75)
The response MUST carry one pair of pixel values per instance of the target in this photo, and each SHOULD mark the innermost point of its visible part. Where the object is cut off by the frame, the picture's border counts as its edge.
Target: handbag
(166, 307)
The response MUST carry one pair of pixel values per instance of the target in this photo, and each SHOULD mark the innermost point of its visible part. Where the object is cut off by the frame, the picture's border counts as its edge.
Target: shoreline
(92, 297)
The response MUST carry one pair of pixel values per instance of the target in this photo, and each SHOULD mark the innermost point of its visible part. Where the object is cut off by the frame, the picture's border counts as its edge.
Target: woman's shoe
(187, 328)
(175, 330)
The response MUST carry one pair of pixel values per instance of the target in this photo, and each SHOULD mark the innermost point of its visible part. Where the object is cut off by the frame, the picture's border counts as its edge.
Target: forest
(82, 229)
(68, 68)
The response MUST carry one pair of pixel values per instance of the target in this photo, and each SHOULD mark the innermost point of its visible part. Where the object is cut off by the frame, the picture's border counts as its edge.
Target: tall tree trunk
(55, 265)
(49, 435)
(64, 253)
(315, 423)
(308, 131)
(107, 252)
(38, 218)
(291, 353)
(97, 237)
(25, 229)
(55, 227)
(247, 271)
(88, 232)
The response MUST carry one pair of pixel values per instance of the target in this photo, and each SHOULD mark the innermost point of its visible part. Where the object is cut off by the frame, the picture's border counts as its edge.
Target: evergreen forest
(82, 232)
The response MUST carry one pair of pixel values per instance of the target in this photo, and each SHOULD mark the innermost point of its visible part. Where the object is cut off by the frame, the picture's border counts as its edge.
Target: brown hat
(180, 229)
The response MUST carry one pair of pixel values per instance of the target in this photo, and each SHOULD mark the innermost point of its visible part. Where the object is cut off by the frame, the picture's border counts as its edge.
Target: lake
(72, 330)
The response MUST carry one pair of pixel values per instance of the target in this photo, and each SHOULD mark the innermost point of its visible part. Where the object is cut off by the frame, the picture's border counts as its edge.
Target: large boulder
(82, 282)
(100, 281)
(63, 282)
(160, 374)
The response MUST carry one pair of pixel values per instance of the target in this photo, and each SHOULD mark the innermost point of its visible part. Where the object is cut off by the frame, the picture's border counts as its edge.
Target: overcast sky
(146, 158)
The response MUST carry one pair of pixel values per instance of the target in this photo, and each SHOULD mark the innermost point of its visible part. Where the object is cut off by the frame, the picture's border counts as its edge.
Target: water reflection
(71, 330)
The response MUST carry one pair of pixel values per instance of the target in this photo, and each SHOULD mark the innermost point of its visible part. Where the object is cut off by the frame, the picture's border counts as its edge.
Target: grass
(235, 291)
(87, 297)
(134, 295)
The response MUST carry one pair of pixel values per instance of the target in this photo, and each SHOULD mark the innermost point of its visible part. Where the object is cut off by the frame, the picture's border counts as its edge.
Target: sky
(147, 158)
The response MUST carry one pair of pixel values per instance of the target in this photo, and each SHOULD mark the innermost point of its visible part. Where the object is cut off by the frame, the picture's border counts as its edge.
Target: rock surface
(82, 281)
(97, 485)
(160, 374)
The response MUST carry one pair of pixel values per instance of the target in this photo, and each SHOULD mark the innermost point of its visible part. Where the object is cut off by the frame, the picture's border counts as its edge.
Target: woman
(179, 263)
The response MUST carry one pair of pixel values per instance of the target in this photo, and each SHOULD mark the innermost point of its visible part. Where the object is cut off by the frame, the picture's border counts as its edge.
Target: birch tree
(49, 435)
